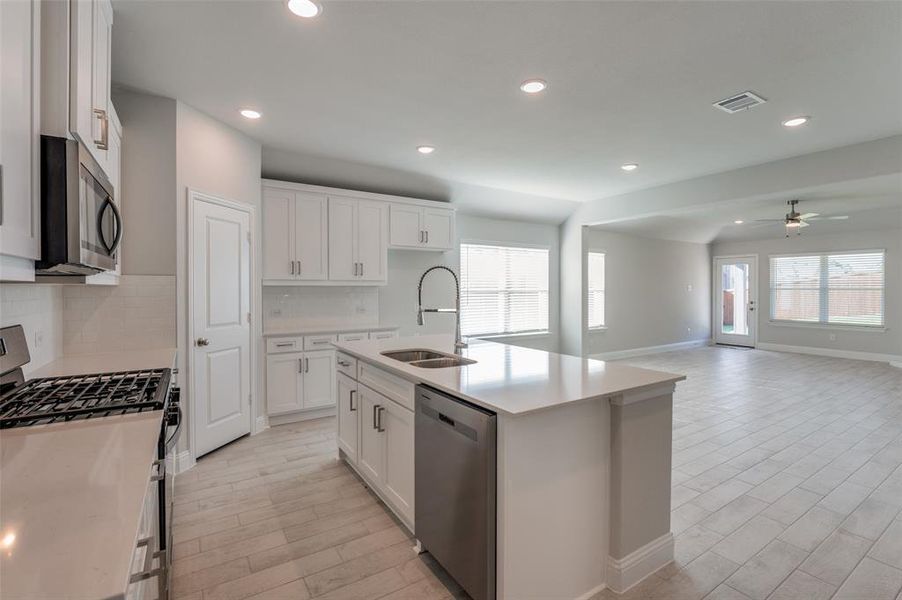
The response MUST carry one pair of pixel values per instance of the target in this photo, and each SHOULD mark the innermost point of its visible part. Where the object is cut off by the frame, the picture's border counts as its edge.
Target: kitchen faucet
(459, 344)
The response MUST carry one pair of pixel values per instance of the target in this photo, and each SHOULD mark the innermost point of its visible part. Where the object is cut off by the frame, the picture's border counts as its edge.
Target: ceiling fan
(793, 221)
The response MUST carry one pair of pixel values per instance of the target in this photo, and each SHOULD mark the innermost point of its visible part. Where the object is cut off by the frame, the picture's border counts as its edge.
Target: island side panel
(552, 502)
(641, 456)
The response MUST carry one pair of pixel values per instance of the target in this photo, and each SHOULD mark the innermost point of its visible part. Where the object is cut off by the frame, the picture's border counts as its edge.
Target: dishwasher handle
(445, 420)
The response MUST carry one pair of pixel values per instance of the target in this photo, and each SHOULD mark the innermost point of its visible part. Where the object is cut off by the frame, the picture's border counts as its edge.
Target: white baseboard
(593, 592)
(624, 573)
(832, 352)
(306, 415)
(183, 461)
(616, 354)
(261, 423)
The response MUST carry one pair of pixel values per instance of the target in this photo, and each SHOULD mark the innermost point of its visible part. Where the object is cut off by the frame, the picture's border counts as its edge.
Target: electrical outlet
(689, 287)
(38, 339)
(832, 337)
(276, 312)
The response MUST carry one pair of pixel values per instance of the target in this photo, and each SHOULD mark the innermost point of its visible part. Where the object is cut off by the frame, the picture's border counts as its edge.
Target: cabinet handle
(299, 267)
(104, 142)
(375, 409)
(342, 363)
(351, 401)
(427, 235)
(355, 269)
(285, 345)
(300, 365)
(306, 365)
(379, 427)
(421, 236)
(361, 269)
(291, 262)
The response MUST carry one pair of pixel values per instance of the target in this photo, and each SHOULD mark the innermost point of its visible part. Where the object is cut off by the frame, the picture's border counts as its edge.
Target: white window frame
(604, 320)
(502, 244)
(822, 323)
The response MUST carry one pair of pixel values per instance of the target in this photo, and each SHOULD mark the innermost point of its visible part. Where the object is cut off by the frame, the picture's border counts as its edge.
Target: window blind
(596, 289)
(832, 288)
(503, 289)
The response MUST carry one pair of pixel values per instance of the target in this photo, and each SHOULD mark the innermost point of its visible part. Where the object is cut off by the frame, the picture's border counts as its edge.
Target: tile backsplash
(288, 307)
(138, 313)
(38, 309)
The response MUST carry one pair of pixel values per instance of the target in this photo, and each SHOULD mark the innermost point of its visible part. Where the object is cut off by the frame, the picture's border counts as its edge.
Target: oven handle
(173, 438)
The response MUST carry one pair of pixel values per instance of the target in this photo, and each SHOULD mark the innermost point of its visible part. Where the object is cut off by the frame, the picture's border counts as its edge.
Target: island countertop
(511, 379)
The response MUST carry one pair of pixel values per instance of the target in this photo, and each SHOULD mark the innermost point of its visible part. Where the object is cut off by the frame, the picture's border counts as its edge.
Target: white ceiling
(871, 205)
(366, 82)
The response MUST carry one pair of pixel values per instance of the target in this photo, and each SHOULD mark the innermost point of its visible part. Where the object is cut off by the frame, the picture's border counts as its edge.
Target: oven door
(100, 223)
(169, 437)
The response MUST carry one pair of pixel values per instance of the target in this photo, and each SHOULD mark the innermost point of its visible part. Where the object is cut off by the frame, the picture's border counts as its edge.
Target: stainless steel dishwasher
(455, 488)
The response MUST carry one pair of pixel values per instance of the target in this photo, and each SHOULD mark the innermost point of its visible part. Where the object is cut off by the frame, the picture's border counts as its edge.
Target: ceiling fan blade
(830, 218)
(770, 220)
(803, 224)
(808, 215)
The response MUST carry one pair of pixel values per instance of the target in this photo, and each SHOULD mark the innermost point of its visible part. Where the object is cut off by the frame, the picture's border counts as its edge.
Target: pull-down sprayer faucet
(458, 342)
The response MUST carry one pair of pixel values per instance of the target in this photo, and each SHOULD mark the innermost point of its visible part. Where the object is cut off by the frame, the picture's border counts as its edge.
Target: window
(503, 289)
(837, 289)
(596, 289)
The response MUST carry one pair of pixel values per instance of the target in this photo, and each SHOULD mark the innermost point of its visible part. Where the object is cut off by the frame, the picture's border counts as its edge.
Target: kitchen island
(583, 457)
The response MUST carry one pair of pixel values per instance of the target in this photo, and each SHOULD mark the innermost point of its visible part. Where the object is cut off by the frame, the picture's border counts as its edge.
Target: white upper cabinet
(420, 227)
(89, 104)
(294, 235)
(20, 201)
(358, 240)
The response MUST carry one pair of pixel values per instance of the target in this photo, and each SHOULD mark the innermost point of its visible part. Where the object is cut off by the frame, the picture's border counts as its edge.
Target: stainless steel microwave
(81, 227)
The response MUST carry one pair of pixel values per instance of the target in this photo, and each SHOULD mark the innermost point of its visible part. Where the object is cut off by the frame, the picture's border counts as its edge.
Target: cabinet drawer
(396, 388)
(319, 342)
(353, 336)
(347, 364)
(383, 335)
(276, 345)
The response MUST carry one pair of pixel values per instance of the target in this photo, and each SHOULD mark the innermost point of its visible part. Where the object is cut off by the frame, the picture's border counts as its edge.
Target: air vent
(743, 101)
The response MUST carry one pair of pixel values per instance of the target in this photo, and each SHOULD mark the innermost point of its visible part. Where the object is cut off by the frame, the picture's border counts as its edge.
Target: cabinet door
(278, 234)
(319, 379)
(405, 226)
(439, 226)
(283, 383)
(398, 469)
(311, 222)
(100, 78)
(342, 239)
(371, 453)
(372, 240)
(20, 197)
(347, 416)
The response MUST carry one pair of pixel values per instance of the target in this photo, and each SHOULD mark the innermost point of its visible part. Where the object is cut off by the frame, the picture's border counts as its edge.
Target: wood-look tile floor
(787, 484)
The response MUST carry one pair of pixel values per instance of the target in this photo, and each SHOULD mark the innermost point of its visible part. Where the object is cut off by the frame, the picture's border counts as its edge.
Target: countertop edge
(322, 330)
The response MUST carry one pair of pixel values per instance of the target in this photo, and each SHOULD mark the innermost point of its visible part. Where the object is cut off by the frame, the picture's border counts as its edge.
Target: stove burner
(62, 399)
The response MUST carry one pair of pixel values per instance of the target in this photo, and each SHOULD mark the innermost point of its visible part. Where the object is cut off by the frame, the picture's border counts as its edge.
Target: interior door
(372, 242)
(220, 309)
(319, 378)
(736, 299)
(311, 222)
(348, 403)
(342, 238)
(278, 223)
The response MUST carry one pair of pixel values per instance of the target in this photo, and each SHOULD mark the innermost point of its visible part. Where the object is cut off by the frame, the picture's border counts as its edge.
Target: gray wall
(647, 302)
(148, 183)
(888, 342)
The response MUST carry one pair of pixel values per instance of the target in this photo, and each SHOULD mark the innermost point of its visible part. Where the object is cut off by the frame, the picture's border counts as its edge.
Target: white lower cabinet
(376, 435)
(348, 405)
(299, 380)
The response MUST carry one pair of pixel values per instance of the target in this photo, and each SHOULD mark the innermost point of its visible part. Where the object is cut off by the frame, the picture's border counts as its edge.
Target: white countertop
(511, 379)
(129, 360)
(72, 494)
(318, 330)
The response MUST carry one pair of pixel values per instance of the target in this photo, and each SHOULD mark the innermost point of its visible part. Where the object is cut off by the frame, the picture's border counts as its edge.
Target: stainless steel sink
(442, 363)
(428, 359)
(412, 355)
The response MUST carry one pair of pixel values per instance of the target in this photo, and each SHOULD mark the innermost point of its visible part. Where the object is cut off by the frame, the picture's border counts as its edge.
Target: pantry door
(735, 300)
(220, 293)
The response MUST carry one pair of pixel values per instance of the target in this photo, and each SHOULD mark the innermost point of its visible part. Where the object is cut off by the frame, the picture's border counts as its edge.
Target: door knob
(202, 342)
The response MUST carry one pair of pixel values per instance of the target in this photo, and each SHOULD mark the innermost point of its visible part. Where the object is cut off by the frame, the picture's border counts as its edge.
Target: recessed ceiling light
(304, 8)
(533, 86)
(796, 121)
(425, 149)
(739, 221)
(629, 167)
(248, 113)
